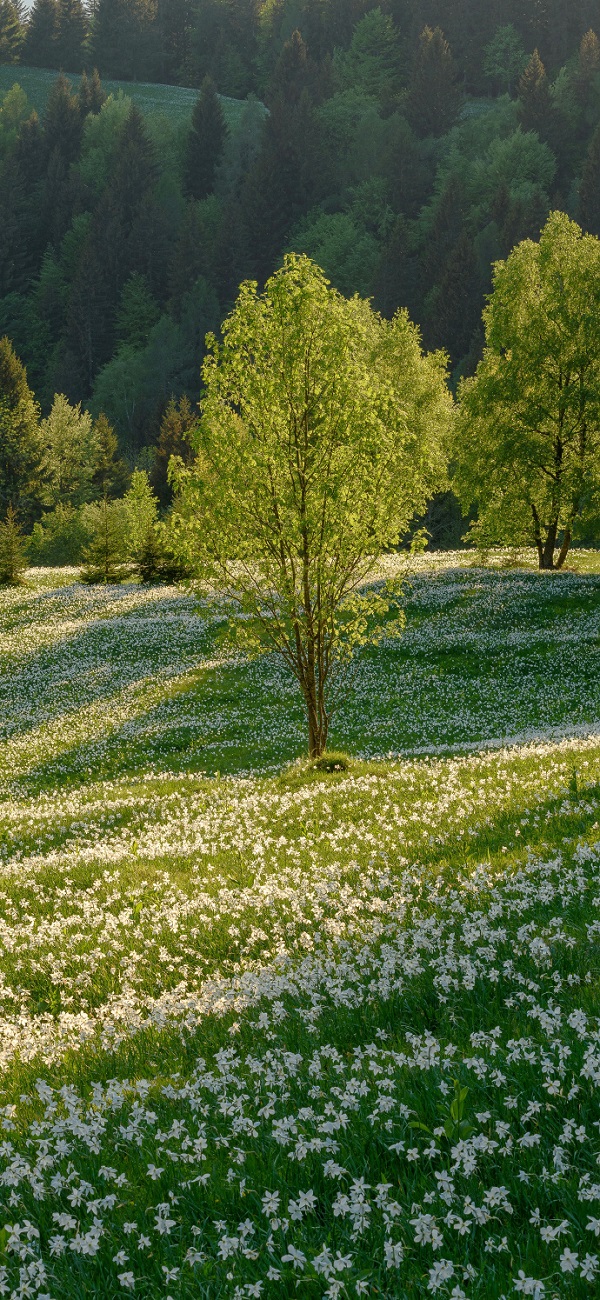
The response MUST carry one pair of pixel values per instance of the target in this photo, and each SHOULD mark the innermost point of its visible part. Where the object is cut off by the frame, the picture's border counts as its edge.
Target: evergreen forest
(405, 147)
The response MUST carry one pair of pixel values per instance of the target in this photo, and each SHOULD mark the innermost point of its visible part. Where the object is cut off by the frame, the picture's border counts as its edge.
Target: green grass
(173, 102)
(351, 1014)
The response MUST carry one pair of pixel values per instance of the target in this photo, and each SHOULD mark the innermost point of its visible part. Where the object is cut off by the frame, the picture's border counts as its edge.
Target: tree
(105, 555)
(205, 143)
(69, 454)
(40, 39)
(138, 312)
(589, 189)
(527, 444)
(122, 39)
(141, 512)
(535, 104)
(12, 550)
(177, 423)
(62, 122)
(433, 94)
(72, 30)
(320, 436)
(91, 95)
(505, 58)
(373, 62)
(110, 477)
(20, 447)
(11, 32)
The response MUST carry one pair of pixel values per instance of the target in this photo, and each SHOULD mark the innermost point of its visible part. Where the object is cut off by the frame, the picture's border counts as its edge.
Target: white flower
(393, 1253)
(530, 1286)
(294, 1257)
(589, 1268)
(440, 1273)
(126, 1280)
(568, 1261)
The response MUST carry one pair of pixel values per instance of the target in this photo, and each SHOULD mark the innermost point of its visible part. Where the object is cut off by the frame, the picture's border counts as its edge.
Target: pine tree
(205, 144)
(39, 50)
(174, 20)
(12, 32)
(62, 122)
(105, 555)
(71, 35)
(12, 550)
(589, 190)
(138, 312)
(535, 104)
(433, 94)
(91, 95)
(20, 445)
(455, 304)
(110, 478)
(123, 38)
(178, 421)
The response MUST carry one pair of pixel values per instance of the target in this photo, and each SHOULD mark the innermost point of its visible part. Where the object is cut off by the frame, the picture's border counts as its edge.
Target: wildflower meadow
(270, 1030)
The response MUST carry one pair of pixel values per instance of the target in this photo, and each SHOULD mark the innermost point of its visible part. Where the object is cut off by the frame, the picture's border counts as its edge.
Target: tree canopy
(321, 434)
(527, 444)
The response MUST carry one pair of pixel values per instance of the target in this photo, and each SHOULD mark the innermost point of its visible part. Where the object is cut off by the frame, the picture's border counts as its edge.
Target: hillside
(172, 102)
(346, 1032)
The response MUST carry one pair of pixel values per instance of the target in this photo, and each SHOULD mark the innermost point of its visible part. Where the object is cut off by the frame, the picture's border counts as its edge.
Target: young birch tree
(527, 444)
(321, 435)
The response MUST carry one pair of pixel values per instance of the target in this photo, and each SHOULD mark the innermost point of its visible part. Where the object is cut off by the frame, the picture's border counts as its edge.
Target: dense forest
(405, 146)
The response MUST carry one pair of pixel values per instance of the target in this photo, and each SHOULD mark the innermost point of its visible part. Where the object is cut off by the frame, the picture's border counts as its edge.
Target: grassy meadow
(271, 1031)
(172, 102)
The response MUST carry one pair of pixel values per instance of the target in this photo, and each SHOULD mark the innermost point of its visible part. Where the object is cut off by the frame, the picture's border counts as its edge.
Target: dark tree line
(406, 147)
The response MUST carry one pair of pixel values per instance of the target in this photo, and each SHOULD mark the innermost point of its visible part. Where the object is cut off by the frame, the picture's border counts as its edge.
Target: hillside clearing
(339, 1031)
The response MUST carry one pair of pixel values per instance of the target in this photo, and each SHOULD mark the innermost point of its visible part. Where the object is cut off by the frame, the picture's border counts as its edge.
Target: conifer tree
(178, 420)
(110, 478)
(433, 95)
(39, 50)
(20, 446)
(91, 94)
(589, 190)
(12, 32)
(62, 121)
(105, 555)
(122, 41)
(12, 550)
(535, 104)
(71, 35)
(205, 144)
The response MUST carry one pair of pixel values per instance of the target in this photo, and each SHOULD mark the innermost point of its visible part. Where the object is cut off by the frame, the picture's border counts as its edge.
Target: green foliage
(20, 445)
(373, 62)
(13, 561)
(347, 254)
(11, 32)
(527, 444)
(59, 538)
(320, 437)
(433, 95)
(505, 58)
(69, 454)
(206, 142)
(141, 512)
(138, 312)
(105, 556)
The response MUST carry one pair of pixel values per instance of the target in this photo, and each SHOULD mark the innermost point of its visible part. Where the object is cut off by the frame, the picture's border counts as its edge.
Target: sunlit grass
(252, 994)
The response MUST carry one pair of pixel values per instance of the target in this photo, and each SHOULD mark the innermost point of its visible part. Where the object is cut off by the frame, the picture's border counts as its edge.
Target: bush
(60, 538)
(106, 554)
(12, 551)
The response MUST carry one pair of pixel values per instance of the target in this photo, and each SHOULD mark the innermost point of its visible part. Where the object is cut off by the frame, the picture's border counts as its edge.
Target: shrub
(60, 538)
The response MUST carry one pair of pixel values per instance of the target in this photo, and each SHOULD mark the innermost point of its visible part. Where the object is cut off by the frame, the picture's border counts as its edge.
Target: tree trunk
(564, 550)
(547, 554)
(318, 720)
